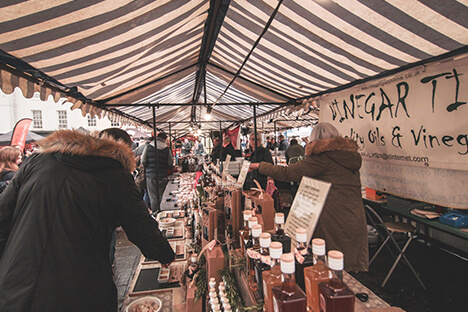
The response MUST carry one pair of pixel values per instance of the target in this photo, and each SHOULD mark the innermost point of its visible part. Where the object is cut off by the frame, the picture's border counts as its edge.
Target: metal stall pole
(276, 140)
(170, 137)
(256, 143)
(170, 145)
(158, 206)
(221, 146)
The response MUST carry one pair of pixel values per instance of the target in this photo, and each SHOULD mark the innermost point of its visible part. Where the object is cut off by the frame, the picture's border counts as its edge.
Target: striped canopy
(122, 57)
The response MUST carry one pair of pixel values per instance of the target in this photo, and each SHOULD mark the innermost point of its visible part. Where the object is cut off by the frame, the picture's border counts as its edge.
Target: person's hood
(86, 151)
(342, 150)
(161, 144)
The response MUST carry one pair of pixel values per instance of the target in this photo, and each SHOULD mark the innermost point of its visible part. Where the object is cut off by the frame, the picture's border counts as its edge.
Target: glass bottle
(289, 296)
(316, 274)
(193, 266)
(212, 283)
(248, 239)
(244, 232)
(279, 223)
(272, 277)
(303, 257)
(335, 295)
(254, 249)
(263, 263)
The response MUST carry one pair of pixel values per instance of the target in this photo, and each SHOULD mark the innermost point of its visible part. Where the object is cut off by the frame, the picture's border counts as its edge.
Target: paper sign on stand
(243, 173)
(226, 168)
(306, 207)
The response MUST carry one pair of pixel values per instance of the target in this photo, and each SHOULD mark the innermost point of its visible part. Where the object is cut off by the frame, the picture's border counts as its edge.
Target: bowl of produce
(145, 304)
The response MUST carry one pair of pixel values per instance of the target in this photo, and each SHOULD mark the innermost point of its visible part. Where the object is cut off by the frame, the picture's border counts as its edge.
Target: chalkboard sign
(148, 280)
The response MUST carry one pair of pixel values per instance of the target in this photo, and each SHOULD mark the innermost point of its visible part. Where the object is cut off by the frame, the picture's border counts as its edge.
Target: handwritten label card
(243, 173)
(306, 207)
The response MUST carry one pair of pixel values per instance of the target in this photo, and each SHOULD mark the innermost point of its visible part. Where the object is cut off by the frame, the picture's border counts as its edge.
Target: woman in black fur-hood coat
(57, 217)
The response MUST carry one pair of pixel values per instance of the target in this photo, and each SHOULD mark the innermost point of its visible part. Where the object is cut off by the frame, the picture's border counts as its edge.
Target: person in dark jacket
(282, 143)
(228, 149)
(258, 154)
(164, 163)
(216, 151)
(56, 222)
(294, 152)
(342, 223)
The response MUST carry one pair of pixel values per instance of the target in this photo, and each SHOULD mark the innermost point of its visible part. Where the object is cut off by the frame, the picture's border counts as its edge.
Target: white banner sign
(306, 207)
(412, 131)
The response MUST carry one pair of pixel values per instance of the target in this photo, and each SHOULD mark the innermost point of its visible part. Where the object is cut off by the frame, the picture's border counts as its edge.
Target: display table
(449, 235)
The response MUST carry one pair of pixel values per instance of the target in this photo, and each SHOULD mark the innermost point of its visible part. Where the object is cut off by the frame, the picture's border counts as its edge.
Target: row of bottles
(218, 299)
(284, 277)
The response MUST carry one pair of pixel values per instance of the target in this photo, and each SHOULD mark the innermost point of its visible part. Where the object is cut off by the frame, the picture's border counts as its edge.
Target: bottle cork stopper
(318, 247)
(335, 254)
(318, 242)
(301, 231)
(276, 245)
(256, 230)
(287, 257)
(279, 218)
(335, 260)
(265, 240)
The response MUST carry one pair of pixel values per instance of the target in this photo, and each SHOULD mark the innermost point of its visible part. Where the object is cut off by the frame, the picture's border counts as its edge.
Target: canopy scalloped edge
(10, 81)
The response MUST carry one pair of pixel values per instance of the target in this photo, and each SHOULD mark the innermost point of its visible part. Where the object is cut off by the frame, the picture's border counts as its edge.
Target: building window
(92, 121)
(115, 123)
(37, 119)
(62, 119)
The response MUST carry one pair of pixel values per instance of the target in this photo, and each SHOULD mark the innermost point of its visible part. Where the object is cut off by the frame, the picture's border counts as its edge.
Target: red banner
(234, 135)
(20, 132)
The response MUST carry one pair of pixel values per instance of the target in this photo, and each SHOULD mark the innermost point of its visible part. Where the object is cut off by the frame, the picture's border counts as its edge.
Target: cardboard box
(190, 304)
(215, 260)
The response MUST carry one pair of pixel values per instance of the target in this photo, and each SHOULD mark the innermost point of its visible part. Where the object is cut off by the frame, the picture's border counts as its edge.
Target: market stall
(205, 222)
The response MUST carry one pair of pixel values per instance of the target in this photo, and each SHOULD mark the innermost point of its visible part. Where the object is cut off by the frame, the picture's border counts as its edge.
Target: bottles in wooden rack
(289, 296)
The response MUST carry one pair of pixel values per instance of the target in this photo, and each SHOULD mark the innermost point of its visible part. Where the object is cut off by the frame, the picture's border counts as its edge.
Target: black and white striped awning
(122, 57)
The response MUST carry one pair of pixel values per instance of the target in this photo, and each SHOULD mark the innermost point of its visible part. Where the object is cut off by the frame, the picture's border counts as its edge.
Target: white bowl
(149, 301)
(167, 222)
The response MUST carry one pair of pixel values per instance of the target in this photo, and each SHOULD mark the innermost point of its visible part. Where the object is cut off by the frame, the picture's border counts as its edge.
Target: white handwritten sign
(243, 173)
(411, 129)
(306, 207)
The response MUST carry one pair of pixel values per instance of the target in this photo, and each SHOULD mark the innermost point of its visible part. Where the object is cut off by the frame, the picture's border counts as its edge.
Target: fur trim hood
(73, 142)
(332, 144)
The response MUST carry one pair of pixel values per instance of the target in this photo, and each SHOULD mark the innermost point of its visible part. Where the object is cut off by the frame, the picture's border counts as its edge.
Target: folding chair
(386, 233)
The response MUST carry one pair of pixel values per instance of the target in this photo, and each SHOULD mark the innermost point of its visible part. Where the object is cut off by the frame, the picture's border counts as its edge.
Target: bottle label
(265, 259)
(253, 254)
(299, 257)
